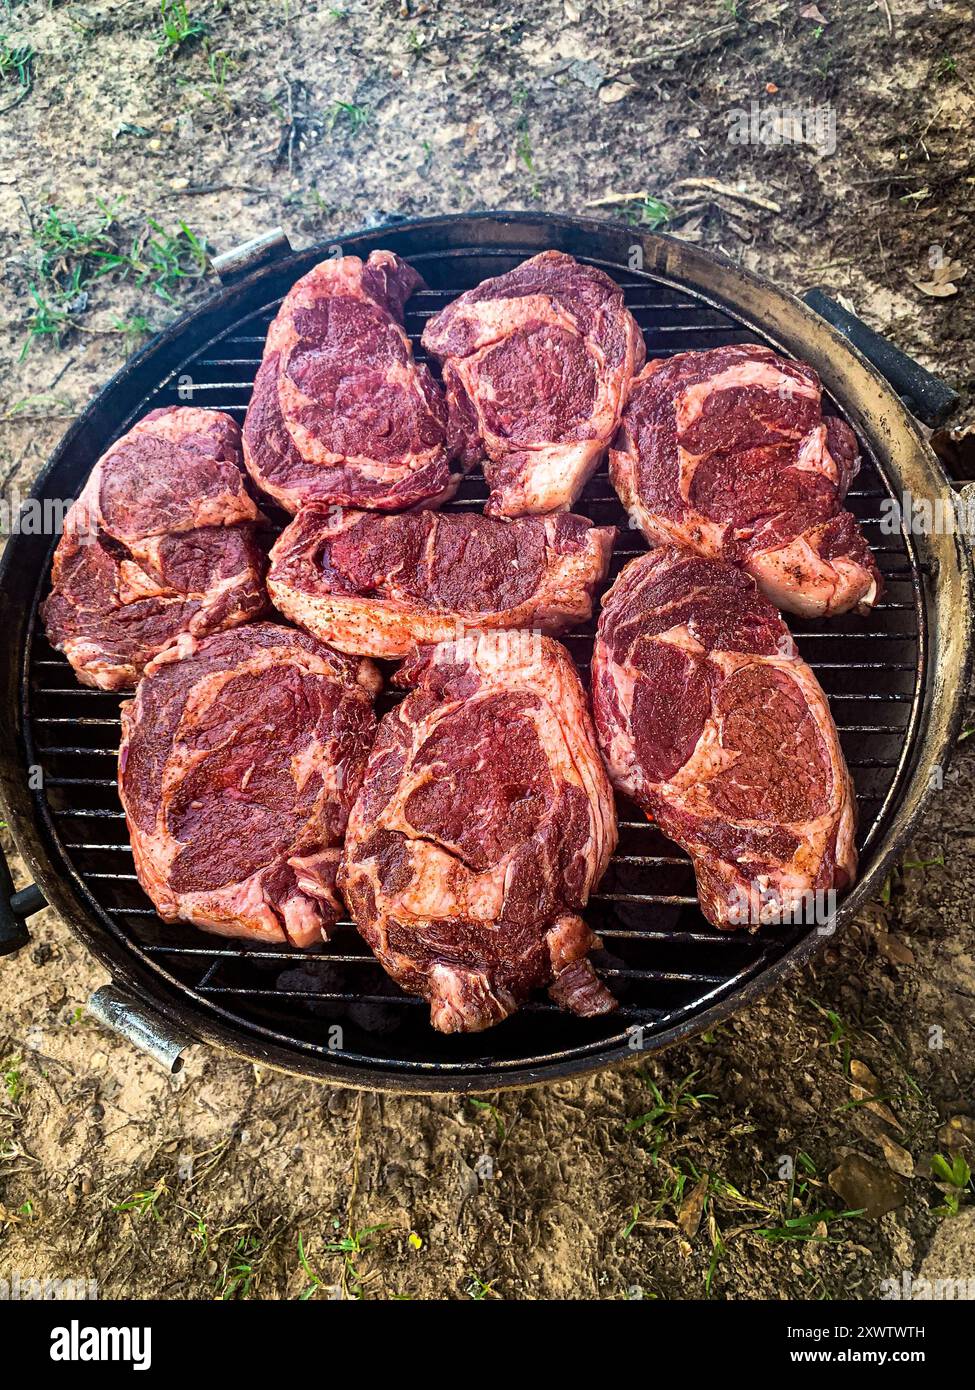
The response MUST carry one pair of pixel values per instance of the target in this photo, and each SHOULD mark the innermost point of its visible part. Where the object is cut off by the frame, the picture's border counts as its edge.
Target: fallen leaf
(958, 1133)
(865, 1090)
(893, 949)
(943, 282)
(864, 1186)
(692, 1209)
(898, 1158)
(813, 12)
(573, 12)
(863, 1076)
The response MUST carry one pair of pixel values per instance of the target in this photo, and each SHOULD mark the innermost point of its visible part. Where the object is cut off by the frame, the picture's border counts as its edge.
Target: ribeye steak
(727, 451)
(536, 364)
(380, 585)
(484, 820)
(161, 542)
(709, 720)
(341, 413)
(240, 758)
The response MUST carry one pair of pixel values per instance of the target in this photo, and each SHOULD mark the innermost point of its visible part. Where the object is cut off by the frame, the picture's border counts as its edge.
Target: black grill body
(893, 680)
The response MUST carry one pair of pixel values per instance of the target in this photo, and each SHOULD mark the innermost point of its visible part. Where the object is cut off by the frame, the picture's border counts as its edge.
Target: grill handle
(241, 260)
(925, 395)
(14, 907)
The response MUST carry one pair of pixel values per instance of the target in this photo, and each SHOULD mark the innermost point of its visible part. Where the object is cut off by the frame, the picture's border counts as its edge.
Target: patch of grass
(162, 259)
(807, 1226)
(351, 1248)
(133, 331)
(178, 28)
(839, 1036)
(241, 1270)
(633, 1222)
(525, 154)
(198, 1230)
(946, 66)
(478, 1289)
(73, 254)
(315, 1280)
(660, 1121)
(346, 113)
(13, 1080)
(219, 65)
(145, 1202)
(493, 1111)
(955, 1175)
(647, 212)
(67, 247)
(16, 68)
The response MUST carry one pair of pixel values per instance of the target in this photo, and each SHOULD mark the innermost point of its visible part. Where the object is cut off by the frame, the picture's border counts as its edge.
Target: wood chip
(612, 92)
(893, 949)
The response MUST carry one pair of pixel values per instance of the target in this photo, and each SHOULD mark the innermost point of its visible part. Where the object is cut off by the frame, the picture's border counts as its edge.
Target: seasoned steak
(709, 720)
(380, 585)
(728, 452)
(240, 758)
(484, 821)
(160, 543)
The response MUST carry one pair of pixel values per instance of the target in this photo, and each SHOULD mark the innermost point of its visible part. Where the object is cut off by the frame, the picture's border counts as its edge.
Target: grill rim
(944, 656)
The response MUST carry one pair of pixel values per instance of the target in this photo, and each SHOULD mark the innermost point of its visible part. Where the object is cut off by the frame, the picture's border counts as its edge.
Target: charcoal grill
(895, 682)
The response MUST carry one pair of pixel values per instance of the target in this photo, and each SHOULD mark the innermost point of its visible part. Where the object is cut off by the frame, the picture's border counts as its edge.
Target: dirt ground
(229, 1181)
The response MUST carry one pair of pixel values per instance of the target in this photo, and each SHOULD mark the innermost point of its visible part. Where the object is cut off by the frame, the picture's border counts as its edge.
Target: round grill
(669, 969)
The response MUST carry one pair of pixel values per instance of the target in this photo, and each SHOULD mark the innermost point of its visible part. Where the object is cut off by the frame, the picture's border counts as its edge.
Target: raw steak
(341, 413)
(380, 585)
(708, 719)
(484, 820)
(161, 542)
(536, 364)
(240, 759)
(727, 452)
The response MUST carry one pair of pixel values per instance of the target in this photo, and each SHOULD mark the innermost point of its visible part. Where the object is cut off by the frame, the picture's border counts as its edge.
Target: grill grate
(664, 962)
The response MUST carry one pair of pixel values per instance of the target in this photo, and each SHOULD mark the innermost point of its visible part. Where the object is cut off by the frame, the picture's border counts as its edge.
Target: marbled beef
(709, 720)
(161, 542)
(380, 585)
(240, 758)
(727, 451)
(484, 820)
(536, 364)
(341, 412)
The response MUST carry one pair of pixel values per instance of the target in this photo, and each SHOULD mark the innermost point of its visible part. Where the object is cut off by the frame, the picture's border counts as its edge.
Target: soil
(201, 1185)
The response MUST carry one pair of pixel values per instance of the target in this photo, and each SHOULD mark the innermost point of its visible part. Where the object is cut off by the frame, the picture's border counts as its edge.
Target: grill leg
(140, 1025)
